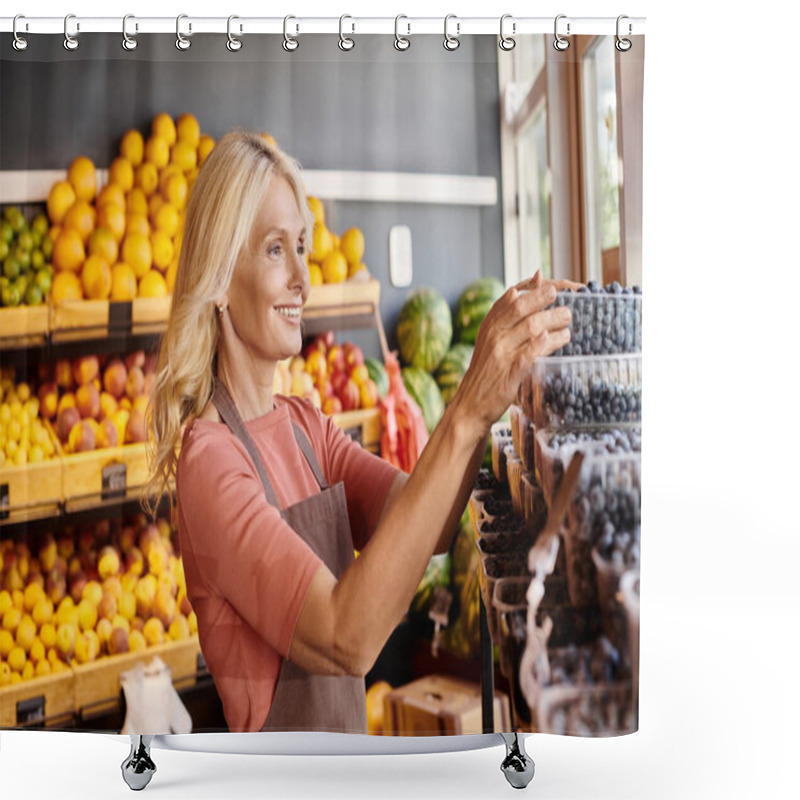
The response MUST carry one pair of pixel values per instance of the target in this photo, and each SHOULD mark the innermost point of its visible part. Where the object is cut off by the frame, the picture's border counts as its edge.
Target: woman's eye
(301, 249)
(274, 249)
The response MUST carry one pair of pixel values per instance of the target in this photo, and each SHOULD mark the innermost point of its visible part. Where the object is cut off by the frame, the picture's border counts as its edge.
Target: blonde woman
(272, 497)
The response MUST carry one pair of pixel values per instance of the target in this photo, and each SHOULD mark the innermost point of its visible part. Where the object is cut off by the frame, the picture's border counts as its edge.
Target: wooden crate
(99, 317)
(33, 485)
(348, 297)
(97, 472)
(97, 684)
(23, 322)
(363, 425)
(38, 698)
(440, 705)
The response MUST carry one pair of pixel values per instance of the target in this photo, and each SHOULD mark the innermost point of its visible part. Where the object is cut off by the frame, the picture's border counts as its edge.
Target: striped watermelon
(473, 306)
(377, 372)
(425, 329)
(452, 369)
(425, 393)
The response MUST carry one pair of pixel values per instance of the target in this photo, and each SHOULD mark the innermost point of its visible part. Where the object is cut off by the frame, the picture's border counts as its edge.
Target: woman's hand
(516, 331)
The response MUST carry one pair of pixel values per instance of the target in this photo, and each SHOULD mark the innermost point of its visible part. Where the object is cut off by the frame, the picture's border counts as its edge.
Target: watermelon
(425, 329)
(425, 393)
(473, 305)
(377, 372)
(451, 370)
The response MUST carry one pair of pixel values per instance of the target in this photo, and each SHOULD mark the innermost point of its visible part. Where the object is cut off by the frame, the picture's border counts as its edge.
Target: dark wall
(423, 110)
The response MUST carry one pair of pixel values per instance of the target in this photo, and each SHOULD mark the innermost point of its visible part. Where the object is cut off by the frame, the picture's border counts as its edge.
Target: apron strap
(230, 416)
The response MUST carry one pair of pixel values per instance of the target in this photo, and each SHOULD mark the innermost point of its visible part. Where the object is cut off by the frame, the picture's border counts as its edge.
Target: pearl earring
(220, 310)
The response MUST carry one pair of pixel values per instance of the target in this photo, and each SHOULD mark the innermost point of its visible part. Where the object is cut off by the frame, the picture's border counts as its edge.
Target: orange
(188, 129)
(68, 252)
(137, 253)
(172, 271)
(322, 243)
(163, 249)
(156, 201)
(164, 127)
(184, 155)
(137, 202)
(146, 178)
(121, 173)
(123, 282)
(66, 286)
(112, 216)
(137, 223)
(167, 219)
(315, 204)
(315, 274)
(59, 201)
(153, 284)
(96, 278)
(334, 267)
(132, 147)
(165, 174)
(156, 151)
(103, 243)
(204, 148)
(191, 176)
(176, 190)
(83, 177)
(81, 218)
(111, 193)
(352, 245)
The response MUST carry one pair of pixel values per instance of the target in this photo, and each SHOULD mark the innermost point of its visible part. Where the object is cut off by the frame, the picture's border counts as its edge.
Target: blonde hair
(225, 199)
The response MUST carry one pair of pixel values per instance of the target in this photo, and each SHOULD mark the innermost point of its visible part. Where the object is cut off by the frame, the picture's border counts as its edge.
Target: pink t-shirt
(247, 571)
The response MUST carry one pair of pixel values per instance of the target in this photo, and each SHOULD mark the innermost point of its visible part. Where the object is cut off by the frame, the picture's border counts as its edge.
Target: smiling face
(270, 282)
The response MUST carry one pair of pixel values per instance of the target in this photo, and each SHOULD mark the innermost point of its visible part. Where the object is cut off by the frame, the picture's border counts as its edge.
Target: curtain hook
(70, 42)
(623, 45)
(182, 43)
(560, 43)
(451, 42)
(128, 42)
(290, 43)
(506, 42)
(19, 42)
(401, 42)
(345, 43)
(233, 44)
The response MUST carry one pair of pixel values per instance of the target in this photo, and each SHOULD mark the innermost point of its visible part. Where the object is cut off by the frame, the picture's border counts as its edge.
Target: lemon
(137, 253)
(6, 643)
(83, 177)
(167, 219)
(103, 243)
(163, 250)
(315, 275)
(68, 252)
(322, 243)
(26, 633)
(155, 202)
(184, 155)
(121, 173)
(81, 218)
(96, 278)
(153, 285)
(137, 223)
(334, 267)
(112, 216)
(156, 151)
(146, 178)
(176, 190)
(66, 286)
(132, 147)
(137, 202)
(352, 269)
(352, 245)
(188, 129)
(123, 282)
(113, 193)
(17, 659)
(59, 201)
(315, 204)
(164, 127)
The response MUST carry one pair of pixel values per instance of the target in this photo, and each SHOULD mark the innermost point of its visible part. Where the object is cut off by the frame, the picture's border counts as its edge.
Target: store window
(534, 193)
(602, 172)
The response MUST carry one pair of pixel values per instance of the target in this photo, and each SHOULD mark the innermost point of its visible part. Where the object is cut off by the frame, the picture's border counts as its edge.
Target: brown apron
(303, 701)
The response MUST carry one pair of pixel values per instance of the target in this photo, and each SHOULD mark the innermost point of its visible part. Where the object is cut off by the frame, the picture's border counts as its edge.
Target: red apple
(336, 362)
(353, 356)
(351, 396)
(338, 380)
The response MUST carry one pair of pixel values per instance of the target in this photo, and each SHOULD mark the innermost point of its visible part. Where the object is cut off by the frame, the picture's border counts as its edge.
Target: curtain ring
(345, 43)
(506, 42)
(560, 43)
(233, 44)
(128, 42)
(182, 43)
(623, 45)
(401, 42)
(19, 42)
(451, 42)
(290, 43)
(70, 42)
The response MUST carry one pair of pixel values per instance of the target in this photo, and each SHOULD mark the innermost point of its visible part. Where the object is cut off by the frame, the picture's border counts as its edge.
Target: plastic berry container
(601, 710)
(604, 322)
(629, 591)
(534, 507)
(522, 434)
(509, 599)
(514, 472)
(586, 390)
(501, 438)
(493, 568)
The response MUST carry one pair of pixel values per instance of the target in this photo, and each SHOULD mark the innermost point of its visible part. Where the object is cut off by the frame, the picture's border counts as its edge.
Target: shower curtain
(436, 177)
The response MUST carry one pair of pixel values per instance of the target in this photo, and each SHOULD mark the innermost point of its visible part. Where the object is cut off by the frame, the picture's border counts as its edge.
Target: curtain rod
(348, 25)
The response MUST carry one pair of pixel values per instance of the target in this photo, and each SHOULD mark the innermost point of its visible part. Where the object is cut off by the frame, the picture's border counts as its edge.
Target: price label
(30, 710)
(115, 480)
(120, 315)
(5, 500)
